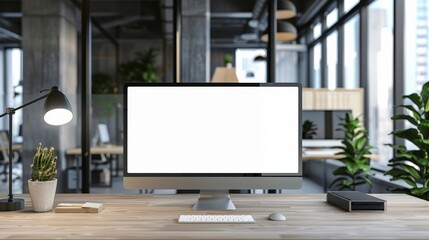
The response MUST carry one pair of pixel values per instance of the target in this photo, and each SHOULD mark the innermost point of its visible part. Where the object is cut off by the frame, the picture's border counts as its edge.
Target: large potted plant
(104, 99)
(43, 183)
(412, 165)
(142, 68)
(355, 151)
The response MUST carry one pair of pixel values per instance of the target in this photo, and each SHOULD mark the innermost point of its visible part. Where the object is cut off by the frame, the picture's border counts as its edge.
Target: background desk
(155, 217)
(111, 151)
(108, 149)
(324, 157)
(15, 147)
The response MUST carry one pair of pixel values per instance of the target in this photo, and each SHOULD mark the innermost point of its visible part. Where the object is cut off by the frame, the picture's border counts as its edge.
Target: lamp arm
(10, 112)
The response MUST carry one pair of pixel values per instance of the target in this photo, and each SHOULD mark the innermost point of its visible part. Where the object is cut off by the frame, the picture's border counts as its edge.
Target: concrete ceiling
(153, 19)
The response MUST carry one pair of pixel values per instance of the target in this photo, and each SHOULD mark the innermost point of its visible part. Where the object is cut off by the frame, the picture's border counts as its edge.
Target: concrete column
(195, 39)
(50, 58)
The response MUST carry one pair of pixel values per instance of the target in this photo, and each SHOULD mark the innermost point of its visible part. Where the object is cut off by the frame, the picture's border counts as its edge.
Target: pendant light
(285, 9)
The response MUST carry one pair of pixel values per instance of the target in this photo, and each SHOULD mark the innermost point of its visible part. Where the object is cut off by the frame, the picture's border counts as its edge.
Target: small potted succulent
(227, 59)
(43, 183)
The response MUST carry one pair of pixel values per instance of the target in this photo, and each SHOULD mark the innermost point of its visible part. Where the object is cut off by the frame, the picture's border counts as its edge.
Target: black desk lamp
(57, 111)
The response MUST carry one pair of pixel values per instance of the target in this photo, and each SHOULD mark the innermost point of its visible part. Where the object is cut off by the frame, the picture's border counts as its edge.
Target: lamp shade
(285, 32)
(260, 58)
(57, 108)
(285, 9)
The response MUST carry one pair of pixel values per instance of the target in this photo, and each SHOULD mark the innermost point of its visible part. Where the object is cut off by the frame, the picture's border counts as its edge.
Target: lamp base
(15, 205)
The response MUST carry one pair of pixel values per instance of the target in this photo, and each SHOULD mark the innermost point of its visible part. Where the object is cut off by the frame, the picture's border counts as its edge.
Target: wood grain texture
(155, 217)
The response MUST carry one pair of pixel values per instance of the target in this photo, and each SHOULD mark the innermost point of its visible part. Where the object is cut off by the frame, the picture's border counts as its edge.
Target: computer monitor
(212, 136)
(103, 133)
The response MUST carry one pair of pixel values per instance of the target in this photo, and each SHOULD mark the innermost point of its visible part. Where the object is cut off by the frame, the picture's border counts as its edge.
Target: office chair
(4, 158)
(99, 160)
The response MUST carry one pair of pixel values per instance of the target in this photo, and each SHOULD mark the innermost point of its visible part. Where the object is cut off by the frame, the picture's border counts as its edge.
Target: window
(416, 45)
(380, 77)
(315, 72)
(349, 4)
(351, 53)
(332, 17)
(332, 59)
(14, 85)
(317, 30)
(417, 49)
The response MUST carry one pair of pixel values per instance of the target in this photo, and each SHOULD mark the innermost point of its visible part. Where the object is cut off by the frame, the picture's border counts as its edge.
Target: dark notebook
(354, 200)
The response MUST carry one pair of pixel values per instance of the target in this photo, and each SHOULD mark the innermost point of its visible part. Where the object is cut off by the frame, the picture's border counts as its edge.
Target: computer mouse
(277, 217)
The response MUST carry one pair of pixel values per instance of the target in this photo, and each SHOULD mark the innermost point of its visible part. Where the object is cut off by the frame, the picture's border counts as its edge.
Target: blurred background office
(380, 46)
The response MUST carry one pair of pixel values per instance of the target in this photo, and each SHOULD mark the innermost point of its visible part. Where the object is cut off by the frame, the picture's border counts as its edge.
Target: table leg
(111, 169)
(325, 187)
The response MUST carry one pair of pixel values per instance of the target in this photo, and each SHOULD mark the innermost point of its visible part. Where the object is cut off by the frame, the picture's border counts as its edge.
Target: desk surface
(108, 149)
(155, 217)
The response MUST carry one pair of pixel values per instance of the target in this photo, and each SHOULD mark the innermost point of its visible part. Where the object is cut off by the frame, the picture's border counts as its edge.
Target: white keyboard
(216, 219)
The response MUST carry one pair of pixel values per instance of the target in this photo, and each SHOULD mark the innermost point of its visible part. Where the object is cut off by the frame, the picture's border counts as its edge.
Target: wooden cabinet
(338, 99)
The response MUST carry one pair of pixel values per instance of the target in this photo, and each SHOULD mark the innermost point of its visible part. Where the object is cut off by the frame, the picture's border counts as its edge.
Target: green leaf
(415, 112)
(419, 191)
(406, 117)
(360, 142)
(394, 172)
(352, 168)
(349, 148)
(425, 93)
(423, 127)
(411, 134)
(365, 167)
(406, 179)
(366, 180)
(427, 107)
(361, 132)
(410, 170)
(341, 171)
(337, 180)
(415, 98)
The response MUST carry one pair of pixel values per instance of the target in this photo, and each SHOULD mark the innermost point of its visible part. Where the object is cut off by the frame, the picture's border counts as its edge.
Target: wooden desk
(155, 217)
(110, 151)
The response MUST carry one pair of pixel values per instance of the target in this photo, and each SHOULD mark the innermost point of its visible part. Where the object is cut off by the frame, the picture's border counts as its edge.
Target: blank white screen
(185, 129)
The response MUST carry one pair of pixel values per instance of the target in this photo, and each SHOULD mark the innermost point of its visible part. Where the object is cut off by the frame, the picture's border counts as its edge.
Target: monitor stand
(214, 200)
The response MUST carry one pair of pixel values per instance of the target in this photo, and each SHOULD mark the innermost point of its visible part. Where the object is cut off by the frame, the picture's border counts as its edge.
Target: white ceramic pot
(42, 195)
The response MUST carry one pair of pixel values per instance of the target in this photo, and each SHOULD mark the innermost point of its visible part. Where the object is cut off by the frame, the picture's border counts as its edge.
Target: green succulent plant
(412, 165)
(44, 167)
(355, 151)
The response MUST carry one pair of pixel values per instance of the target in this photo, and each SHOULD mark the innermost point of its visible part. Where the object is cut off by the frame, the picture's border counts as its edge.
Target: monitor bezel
(251, 175)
